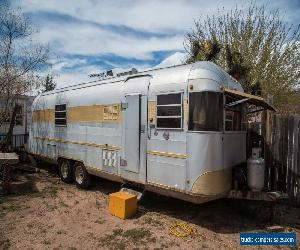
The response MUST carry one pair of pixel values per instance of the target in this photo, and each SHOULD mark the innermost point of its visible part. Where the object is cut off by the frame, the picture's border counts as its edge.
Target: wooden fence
(282, 154)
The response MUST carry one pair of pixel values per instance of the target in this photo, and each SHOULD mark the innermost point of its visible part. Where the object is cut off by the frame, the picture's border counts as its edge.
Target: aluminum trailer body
(166, 129)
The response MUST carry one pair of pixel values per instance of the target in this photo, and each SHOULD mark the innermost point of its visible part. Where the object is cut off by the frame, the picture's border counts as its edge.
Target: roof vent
(128, 72)
(114, 72)
(103, 75)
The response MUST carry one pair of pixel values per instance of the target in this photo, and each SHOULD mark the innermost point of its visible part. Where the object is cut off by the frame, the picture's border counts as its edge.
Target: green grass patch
(99, 221)
(46, 242)
(120, 239)
(5, 244)
(151, 221)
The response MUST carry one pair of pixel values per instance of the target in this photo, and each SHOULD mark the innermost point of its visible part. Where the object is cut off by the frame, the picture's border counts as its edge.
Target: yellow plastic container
(122, 204)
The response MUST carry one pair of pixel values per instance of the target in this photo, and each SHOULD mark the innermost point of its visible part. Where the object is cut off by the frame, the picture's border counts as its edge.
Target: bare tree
(254, 45)
(20, 59)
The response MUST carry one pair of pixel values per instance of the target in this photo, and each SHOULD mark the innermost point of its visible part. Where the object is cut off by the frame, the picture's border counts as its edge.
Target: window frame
(60, 111)
(170, 105)
(20, 116)
(240, 112)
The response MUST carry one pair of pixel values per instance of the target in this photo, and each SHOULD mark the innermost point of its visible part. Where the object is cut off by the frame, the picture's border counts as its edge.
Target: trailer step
(138, 194)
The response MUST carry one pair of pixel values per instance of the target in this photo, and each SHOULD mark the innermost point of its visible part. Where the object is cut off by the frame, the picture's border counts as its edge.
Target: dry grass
(56, 215)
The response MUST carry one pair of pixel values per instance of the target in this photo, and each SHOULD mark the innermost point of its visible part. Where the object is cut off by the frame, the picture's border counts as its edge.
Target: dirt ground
(49, 214)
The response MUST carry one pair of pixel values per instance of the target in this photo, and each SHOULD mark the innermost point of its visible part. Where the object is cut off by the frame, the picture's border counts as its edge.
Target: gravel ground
(49, 214)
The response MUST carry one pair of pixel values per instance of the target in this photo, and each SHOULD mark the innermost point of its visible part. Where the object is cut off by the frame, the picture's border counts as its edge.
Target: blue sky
(90, 36)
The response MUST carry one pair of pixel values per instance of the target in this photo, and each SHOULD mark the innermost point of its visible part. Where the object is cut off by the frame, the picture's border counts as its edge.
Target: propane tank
(256, 171)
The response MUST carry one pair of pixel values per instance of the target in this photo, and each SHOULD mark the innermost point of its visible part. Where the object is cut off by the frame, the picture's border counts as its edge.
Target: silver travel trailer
(177, 131)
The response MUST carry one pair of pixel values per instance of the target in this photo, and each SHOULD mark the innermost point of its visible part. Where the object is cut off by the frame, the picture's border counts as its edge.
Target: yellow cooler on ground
(122, 204)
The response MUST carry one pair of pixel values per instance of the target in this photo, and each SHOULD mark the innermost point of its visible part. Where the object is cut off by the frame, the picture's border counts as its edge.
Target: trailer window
(205, 111)
(61, 115)
(18, 118)
(19, 115)
(234, 115)
(169, 111)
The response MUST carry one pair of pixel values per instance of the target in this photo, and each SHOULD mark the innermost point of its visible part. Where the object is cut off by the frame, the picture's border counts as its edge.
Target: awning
(252, 99)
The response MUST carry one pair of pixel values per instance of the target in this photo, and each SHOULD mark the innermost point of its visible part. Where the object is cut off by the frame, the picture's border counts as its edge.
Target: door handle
(149, 131)
(150, 127)
(142, 128)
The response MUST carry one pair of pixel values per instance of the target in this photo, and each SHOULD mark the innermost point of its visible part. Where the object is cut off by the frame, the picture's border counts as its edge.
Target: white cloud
(82, 73)
(173, 18)
(60, 64)
(85, 39)
(79, 75)
(169, 18)
(154, 15)
(64, 74)
(162, 16)
(174, 59)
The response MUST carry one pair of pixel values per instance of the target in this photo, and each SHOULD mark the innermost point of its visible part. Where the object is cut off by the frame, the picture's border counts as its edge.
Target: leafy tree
(49, 83)
(206, 50)
(255, 46)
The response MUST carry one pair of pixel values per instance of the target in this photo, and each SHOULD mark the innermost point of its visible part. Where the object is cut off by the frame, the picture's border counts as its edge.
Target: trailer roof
(201, 65)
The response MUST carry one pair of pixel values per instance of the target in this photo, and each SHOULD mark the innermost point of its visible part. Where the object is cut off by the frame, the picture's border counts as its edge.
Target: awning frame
(237, 102)
(245, 97)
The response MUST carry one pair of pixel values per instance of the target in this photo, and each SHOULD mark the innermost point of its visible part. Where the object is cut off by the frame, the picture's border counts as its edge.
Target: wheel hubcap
(64, 170)
(79, 175)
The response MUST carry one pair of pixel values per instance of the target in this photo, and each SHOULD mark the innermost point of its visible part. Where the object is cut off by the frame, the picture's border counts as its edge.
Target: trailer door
(132, 132)
(134, 137)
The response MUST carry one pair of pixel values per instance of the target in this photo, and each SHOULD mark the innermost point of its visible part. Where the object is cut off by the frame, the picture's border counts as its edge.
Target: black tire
(65, 170)
(81, 177)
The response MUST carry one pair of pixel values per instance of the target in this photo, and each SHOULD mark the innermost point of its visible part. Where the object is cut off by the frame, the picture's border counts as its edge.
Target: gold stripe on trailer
(103, 146)
(151, 111)
(94, 113)
(166, 154)
(46, 115)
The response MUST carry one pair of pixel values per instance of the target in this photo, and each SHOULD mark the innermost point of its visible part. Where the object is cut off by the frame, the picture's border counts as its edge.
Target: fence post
(298, 163)
(267, 122)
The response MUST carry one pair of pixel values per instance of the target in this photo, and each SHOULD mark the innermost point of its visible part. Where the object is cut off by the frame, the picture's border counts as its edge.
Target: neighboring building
(23, 120)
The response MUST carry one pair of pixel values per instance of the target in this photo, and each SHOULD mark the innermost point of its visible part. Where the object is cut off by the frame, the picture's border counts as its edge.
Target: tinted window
(60, 115)
(169, 99)
(61, 107)
(169, 123)
(61, 122)
(169, 110)
(205, 111)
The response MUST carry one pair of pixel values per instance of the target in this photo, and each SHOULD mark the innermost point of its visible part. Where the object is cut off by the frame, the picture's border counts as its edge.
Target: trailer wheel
(65, 170)
(81, 176)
